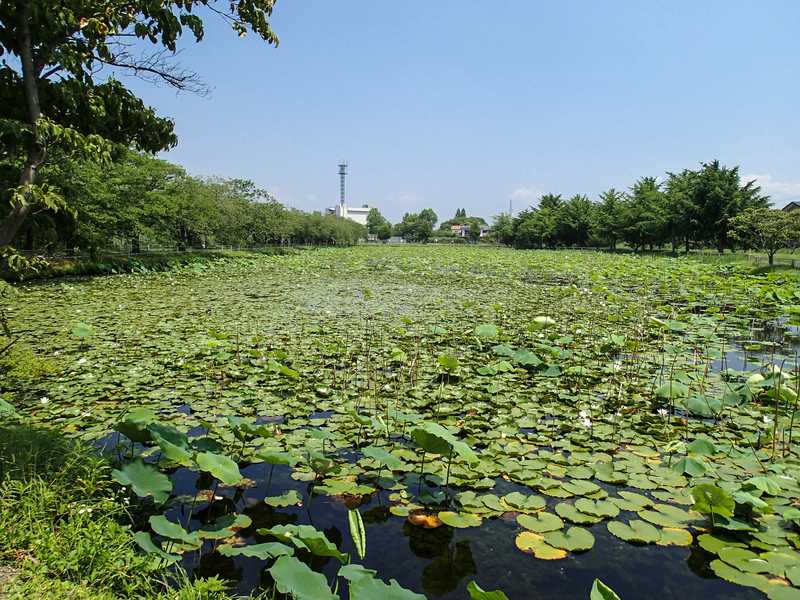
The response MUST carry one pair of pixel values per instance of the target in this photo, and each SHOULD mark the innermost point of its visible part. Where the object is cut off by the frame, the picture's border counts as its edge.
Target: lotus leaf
(477, 593)
(533, 543)
(296, 579)
(305, 537)
(220, 466)
(574, 539)
(263, 551)
(290, 498)
(636, 531)
(600, 591)
(540, 522)
(145, 480)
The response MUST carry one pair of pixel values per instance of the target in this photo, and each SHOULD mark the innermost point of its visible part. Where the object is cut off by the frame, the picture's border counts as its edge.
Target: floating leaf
(574, 539)
(486, 331)
(425, 520)
(636, 531)
(290, 498)
(540, 522)
(675, 537)
(459, 520)
(573, 515)
(533, 543)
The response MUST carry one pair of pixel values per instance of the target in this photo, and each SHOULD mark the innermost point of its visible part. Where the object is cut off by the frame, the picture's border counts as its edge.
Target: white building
(357, 214)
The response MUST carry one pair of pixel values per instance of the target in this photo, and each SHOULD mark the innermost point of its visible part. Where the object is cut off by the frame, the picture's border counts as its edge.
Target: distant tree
(375, 221)
(718, 196)
(416, 227)
(461, 213)
(535, 228)
(645, 216)
(502, 230)
(550, 202)
(575, 221)
(766, 229)
(429, 216)
(681, 224)
(384, 231)
(610, 217)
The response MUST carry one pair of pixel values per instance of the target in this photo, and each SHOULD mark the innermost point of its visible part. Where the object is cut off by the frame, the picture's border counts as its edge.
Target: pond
(530, 421)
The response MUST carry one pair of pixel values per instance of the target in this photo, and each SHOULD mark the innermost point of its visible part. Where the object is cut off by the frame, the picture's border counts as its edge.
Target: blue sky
(449, 104)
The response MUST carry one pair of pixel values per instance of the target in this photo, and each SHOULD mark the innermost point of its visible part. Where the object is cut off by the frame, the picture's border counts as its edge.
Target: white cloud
(781, 192)
(525, 193)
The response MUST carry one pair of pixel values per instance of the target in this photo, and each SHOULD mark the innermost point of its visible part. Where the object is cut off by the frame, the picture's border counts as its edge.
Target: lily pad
(533, 543)
(639, 532)
(459, 520)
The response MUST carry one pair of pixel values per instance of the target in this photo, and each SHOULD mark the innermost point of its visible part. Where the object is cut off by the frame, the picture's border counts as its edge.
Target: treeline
(690, 209)
(138, 201)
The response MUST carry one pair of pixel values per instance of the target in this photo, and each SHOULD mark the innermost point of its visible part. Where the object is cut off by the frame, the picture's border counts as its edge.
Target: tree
(502, 230)
(384, 232)
(717, 197)
(610, 217)
(535, 228)
(376, 221)
(416, 227)
(575, 221)
(550, 202)
(51, 101)
(766, 229)
(429, 216)
(644, 216)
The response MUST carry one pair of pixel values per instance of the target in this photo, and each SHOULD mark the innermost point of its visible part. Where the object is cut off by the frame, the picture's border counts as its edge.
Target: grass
(65, 530)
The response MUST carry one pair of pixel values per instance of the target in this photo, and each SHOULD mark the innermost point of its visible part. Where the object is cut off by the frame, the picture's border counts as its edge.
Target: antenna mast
(342, 175)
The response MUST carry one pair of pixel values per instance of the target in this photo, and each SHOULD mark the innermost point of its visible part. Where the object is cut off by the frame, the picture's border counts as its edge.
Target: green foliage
(690, 208)
(138, 200)
(766, 229)
(51, 102)
(357, 532)
(600, 591)
(712, 500)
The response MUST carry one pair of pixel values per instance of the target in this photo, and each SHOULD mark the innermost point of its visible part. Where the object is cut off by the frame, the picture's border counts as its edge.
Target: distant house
(460, 230)
(463, 230)
(792, 206)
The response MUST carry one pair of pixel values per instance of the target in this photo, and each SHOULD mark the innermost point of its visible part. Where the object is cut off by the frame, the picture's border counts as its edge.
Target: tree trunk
(771, 255)
(20, 211)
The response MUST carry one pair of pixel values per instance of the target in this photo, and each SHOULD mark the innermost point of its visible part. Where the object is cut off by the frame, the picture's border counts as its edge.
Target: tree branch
(156, 68)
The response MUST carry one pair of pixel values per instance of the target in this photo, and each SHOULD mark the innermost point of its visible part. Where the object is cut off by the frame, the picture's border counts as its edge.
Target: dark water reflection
(441, 562)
